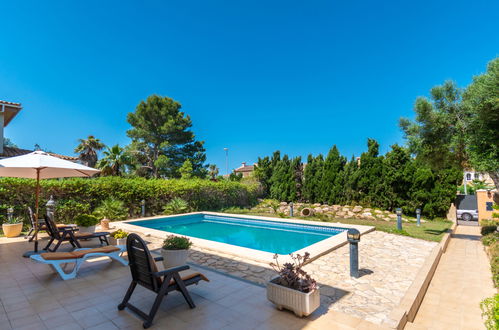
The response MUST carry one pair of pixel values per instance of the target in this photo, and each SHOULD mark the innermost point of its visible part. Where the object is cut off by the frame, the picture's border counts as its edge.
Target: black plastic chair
(145, 273)
(67, 234)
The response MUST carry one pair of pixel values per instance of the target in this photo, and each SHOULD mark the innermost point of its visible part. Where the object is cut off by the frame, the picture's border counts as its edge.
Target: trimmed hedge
(80, 195)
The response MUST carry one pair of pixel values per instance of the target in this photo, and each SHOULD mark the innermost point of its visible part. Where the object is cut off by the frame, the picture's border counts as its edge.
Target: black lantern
(50, 206)
(399, 218)
(353, 235)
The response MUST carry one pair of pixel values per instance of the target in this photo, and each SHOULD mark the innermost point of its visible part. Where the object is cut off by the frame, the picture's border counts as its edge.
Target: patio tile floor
(32, 296)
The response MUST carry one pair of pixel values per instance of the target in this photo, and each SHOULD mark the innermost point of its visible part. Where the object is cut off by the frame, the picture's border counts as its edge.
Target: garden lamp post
(291, 209)
(399, 218)
(353, 236)
(418, 217)
(10, 213)
(50, 206)
(143, 207)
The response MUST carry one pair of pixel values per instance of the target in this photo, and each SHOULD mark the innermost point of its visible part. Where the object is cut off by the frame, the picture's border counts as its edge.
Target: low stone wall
(336, 211)
(409, 305)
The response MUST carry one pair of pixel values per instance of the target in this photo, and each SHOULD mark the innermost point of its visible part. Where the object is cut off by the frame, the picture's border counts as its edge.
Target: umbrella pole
(37, 198)
(36, 207)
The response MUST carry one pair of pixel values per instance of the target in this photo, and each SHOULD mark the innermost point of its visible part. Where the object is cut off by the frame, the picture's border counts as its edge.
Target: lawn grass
(429, 231)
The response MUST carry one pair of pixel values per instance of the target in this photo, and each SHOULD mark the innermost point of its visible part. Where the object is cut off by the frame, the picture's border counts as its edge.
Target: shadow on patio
(32, 296)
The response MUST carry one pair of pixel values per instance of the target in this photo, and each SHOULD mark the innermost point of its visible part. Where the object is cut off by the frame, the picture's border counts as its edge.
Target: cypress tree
(281, 180)
(308, 179)
(348, 182)
(333, 165)
(370, 174)
(263, 172)
(296, 180)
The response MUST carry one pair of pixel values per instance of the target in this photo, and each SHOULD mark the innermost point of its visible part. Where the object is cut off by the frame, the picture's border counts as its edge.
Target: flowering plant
(292, 275)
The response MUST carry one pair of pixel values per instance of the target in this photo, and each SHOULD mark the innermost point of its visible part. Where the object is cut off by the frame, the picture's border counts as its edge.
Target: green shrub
(490, 312)
(176, 206)
(490, 239)
(112, 209)
(119, 234)
(82, 195)
(488, 226)
(173, 242)
(67, 210)
(86, 220)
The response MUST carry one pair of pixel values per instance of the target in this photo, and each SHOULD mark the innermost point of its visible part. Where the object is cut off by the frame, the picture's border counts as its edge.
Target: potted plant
(175, 251)
(12, 227)
(118, 237)
(294, 289)
(86, 222)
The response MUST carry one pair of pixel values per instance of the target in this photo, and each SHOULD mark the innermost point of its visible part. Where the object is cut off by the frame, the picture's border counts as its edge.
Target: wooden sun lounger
(78, 257)
(146, 274)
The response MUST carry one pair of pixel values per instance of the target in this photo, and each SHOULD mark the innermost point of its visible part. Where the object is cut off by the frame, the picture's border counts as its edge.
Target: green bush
(112, 209)
(86, 220)
(488, 226)
(490, 239)
(82, 195)
(173, 242)
(176, 206)
(490, 312)
(67, 210)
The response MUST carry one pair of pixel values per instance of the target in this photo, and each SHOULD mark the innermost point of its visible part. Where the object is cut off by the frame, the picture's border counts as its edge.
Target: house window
(468, 176)
(477, 176)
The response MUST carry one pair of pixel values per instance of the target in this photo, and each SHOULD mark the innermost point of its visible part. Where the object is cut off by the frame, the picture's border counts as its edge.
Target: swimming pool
(254, 233)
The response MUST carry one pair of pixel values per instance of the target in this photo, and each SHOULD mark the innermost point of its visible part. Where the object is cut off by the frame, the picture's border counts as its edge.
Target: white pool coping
(316, 250)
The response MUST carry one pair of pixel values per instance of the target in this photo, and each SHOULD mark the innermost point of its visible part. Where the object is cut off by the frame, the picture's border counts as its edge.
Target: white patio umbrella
(39, 165)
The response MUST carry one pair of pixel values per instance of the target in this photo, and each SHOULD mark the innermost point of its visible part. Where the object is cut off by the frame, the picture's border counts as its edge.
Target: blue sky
(254, 76)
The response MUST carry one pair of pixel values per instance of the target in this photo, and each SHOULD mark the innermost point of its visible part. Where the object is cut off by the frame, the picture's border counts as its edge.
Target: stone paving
(33, 297)
(462, 280)
(389, 263)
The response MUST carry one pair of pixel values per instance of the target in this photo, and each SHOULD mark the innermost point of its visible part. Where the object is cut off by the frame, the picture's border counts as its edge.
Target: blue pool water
(268, 236)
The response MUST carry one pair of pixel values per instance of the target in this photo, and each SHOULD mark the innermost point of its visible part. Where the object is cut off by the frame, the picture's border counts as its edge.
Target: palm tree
(113, 161)
(213, 170)
(88, 150)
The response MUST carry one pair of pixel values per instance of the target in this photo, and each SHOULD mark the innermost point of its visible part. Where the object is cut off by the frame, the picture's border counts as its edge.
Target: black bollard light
(143, 207)
(291, 211)
(399, 218)
(418, 217)
(353, 236)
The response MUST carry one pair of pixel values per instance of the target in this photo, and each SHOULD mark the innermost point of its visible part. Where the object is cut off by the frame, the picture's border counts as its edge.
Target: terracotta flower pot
(12, 230)
(104, 224)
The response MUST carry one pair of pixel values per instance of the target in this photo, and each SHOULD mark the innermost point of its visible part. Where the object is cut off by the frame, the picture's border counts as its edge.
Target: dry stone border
(336, 211)
(389, 264)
